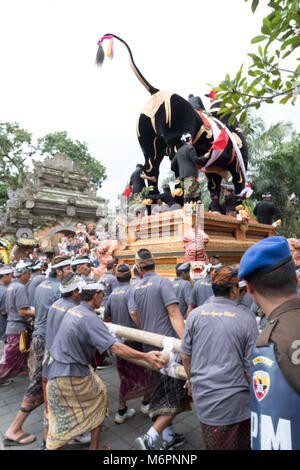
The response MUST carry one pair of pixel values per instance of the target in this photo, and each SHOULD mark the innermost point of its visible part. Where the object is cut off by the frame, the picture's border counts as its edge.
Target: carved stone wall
(56, 194)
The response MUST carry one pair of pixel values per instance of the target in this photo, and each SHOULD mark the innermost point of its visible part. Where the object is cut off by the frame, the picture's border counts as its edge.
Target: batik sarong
(34, 394)
(136, 381)
(13, 361)
(232, 437)
(76, 405)
(191, 188)
(168, 397)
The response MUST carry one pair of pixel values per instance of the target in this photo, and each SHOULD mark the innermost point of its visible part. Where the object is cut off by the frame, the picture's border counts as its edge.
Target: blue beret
(264, 256)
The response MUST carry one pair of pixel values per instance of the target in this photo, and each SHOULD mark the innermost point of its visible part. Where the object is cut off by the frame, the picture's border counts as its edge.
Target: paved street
(117, 436)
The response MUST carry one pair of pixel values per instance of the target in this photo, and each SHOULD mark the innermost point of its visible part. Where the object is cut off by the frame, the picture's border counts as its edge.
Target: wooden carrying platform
(162, 234)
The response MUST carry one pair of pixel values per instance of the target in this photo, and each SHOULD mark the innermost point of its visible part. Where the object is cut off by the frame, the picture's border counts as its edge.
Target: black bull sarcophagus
(167, 116)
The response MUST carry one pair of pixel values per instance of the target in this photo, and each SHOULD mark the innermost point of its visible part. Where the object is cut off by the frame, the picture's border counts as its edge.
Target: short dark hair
(146, 254)
(67, 294)
(178, 272)
(124, 268)
(220, 291)
(111, 263)
(87, 295)
(279, 282)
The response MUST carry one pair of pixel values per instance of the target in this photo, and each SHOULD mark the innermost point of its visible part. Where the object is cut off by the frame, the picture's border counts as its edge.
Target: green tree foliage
(275, 167)
(60, 142)
(266, 78)
(16, 150)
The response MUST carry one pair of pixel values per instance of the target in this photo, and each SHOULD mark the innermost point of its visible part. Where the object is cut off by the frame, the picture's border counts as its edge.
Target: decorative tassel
(100, 53)
(110, 53)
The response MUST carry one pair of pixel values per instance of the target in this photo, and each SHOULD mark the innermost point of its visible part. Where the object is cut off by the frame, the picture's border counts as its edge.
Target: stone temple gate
(54, 198)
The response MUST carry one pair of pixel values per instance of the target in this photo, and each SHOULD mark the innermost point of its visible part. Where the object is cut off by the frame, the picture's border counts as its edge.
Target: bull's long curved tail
(100, 59)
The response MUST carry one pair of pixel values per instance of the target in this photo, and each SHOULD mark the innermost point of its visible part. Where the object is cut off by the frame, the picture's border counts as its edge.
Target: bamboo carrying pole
(153, 339)
(132, 334)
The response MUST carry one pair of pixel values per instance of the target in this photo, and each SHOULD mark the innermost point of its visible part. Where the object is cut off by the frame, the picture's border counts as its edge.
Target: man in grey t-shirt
(19, 318)
(183, 287)
(5, 279)
(216, 350)
(157, 310)
(202, 290)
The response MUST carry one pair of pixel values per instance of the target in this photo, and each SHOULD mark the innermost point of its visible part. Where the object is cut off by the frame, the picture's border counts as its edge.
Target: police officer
(183, 287)
(269, 272)
(265, 210)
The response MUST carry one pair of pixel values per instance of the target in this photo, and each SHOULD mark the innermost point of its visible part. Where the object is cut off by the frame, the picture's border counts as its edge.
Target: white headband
(62, 264)
(76, 262)
(69, 288)
(6, 270)
(84, 286)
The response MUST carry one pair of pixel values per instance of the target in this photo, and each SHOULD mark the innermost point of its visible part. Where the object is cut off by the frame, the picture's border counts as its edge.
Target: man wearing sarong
(19, 316)
(156, 308)
(77, 397)
(46, 294)
(69, 290)
(36, 278)
(5, 279)
(136, 381)
(183, 287)
(136, 277)
(216, 351)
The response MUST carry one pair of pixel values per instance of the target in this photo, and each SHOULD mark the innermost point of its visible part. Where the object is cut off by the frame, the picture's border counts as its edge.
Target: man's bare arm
(176, 319)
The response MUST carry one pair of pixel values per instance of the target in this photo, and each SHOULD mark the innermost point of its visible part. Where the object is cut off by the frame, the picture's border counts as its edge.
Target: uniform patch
(262, 360)
(261, 384)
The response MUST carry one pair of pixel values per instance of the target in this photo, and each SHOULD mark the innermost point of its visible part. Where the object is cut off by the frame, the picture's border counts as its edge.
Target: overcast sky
(49, 81)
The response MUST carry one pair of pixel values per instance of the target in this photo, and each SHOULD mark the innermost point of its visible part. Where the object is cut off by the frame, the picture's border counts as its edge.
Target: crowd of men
(54, 325)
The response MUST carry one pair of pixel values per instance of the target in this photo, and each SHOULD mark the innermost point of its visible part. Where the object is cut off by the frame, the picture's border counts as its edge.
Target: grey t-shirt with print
(183, 290)
(151, 297)
(80, 332)
(16, 299)
(219, 336)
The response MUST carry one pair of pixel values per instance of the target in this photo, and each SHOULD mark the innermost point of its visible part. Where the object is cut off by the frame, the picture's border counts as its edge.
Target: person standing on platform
(216, 350)
(184, 164)
(157, 309)
(72, 384)
(265, 210)
(18, 328)
(136, 381)
(137, 183)
(183, 287)
(6, 272)
(268, 269)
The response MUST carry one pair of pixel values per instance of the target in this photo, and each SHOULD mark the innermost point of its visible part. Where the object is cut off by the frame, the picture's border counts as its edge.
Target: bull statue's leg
(238, 179)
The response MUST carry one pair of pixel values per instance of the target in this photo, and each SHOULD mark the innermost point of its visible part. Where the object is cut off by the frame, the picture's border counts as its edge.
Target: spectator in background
(265, 210)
